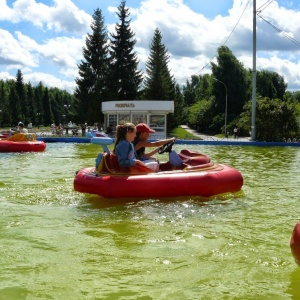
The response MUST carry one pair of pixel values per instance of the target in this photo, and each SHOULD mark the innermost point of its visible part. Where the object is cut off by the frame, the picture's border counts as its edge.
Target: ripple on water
(62, 244)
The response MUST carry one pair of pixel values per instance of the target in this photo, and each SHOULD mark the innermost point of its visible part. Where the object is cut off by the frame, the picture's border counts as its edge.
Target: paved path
(213, 138)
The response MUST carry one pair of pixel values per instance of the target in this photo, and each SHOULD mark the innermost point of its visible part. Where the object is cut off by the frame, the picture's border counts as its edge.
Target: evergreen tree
(92, 84)
(56, 101)
(21, 101)
(31, 106)
(47, 108)
(13, 106)
(38, 99)
(125, 78)
(158, 84)
(4, 113)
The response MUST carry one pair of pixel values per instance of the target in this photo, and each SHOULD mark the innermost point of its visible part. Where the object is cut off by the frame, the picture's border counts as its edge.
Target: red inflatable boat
(22, 142)
(197, 176)
(295, 243)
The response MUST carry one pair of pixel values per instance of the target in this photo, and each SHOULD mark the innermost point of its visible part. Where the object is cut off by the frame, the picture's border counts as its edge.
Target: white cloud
(54, 45)
(12, 51)
(6, 76)
(62, 51)
(48, 80)
(5, 12)
(192, 39)
(63, 16)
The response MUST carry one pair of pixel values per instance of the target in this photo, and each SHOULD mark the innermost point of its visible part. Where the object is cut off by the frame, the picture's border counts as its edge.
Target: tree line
(38, 105)
(230, 84)
(109, 71)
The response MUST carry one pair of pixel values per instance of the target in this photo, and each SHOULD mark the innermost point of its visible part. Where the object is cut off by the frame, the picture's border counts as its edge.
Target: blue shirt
(126, 154)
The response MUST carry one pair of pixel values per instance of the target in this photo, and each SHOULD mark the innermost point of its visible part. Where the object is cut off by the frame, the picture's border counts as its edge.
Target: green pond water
(60, 244)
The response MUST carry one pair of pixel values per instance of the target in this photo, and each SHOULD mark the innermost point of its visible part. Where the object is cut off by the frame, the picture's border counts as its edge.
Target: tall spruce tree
(4, 104)
(92, 84)
(30, 99)
(158, 83)
(126, 79)
(47, 108)
(38, 100)
(21, 100)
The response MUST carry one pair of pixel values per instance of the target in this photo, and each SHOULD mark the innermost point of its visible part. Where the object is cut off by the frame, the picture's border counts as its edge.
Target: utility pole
(253, 128)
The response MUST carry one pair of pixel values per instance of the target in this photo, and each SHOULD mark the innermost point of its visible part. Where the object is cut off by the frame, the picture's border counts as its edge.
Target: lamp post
(38, 119)
(67, 106)
(225, 104)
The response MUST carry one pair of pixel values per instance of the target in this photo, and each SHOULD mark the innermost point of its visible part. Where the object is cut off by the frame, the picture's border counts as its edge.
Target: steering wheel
(166, 148)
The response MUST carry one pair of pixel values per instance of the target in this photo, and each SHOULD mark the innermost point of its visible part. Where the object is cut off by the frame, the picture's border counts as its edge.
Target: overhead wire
(227, 37)
(264, 6)
(276, 28)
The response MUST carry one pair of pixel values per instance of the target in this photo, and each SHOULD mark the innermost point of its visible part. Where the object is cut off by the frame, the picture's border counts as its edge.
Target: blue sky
(45, 38)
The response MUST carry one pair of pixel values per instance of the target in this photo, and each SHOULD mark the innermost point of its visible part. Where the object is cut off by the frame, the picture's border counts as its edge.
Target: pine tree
(13, 106)
(92, 83)
(31, 106)
(21, 101)
(158, 84)
(38, 100)
(126, 79)
(5, 118)
(47, 108)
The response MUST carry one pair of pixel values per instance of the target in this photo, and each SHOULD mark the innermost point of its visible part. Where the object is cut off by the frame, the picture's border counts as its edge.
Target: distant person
(227, 134)
(124, 148)
(59, 130)
(141, 142)
(235, 132)
(83, 129)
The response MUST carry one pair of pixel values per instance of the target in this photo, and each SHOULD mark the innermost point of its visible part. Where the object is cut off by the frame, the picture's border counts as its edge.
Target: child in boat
(20, 129)
(141, 142)
(125, 151)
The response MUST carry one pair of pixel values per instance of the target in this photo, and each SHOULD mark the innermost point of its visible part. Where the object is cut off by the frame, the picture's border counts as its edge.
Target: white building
(153, 113)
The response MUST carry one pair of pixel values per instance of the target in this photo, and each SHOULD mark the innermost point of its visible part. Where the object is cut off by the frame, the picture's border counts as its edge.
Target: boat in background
(196, 176)
(96, 133)
(4, 134)
(22, 142)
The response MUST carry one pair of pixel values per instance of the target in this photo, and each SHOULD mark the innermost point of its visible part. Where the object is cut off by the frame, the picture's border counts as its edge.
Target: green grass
(182, 134)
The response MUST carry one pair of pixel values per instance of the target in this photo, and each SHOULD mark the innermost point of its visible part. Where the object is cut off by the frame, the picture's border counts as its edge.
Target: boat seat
(111, 165)
(193, 158)
(167, 166)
